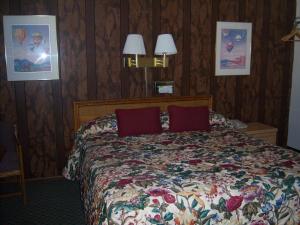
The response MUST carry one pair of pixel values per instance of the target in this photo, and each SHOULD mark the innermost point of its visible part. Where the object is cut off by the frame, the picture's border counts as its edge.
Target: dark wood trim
(242, 10)
(52, 8)
(215, 16)
(156, 17)
(51, 178)
(15, 7)
(59, 125)
(124, 30)
(265, 56)
(90, 49)
(22, 122)
(57, 102)
(156, 29)
(186, 54)
(287, 80)
(239, 79)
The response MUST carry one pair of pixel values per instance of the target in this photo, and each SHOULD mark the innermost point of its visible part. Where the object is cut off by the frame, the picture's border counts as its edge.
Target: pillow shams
(188, 118)
(138, 121)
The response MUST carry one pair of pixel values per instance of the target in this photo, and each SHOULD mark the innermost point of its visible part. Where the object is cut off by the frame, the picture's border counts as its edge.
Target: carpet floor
(50, 202)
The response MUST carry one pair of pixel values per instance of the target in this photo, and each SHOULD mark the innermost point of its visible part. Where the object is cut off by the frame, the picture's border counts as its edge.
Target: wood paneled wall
(91, 35)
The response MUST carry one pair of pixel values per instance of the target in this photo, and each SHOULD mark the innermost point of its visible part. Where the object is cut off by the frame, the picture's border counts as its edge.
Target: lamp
(294, 35)
(164, 46)
(134, 45)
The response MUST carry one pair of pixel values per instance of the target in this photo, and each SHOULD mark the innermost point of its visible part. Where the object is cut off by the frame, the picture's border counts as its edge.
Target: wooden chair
(11, 164)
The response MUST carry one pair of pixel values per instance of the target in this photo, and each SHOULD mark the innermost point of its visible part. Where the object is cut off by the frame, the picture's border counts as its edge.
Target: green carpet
(50, 202)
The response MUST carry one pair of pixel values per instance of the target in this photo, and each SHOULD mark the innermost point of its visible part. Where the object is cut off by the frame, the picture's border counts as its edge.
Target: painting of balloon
(31, 48)
(233, 48)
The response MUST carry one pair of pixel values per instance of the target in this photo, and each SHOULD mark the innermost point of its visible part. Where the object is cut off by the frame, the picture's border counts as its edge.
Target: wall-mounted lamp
(294, 35)
(164, 46)
(134, 45)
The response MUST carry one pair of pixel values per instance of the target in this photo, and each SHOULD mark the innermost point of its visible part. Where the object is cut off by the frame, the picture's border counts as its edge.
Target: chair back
(7, 136)
(9, 160)
(11, 163)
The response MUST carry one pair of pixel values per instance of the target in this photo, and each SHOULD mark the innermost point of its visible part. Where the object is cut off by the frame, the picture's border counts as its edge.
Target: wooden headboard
(88, 110)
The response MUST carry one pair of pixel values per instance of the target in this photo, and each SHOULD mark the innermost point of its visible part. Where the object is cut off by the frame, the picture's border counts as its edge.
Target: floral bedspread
(217, 177)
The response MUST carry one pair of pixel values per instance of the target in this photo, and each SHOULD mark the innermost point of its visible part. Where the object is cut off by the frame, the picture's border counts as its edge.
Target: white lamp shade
(134, 45)
(165, 45)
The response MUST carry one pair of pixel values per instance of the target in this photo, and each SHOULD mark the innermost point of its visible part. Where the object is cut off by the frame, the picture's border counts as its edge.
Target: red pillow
(138, 121)
(188, 118)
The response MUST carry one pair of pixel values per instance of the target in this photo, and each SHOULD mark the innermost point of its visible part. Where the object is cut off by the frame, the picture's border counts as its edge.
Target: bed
(219, 176)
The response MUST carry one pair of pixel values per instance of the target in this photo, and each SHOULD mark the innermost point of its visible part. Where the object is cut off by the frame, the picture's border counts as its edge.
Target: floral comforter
(217, 177)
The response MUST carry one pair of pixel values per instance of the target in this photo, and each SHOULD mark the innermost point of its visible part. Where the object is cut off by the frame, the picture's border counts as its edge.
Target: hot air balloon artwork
(20, 35)
(30, 47)
(233, 48)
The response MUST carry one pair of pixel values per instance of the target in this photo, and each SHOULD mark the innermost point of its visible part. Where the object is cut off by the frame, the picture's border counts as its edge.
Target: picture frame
(31, 47)
(233, 48)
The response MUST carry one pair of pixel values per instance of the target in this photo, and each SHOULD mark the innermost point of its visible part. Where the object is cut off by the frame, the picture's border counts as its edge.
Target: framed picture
(233, 48)
(30, 47)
